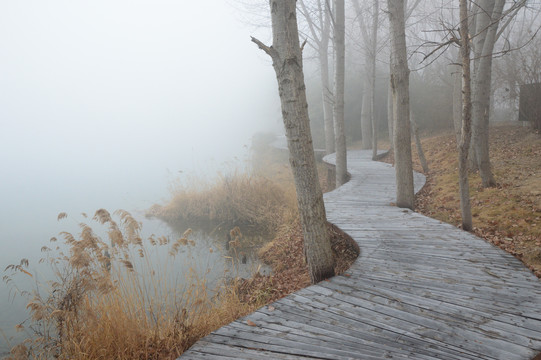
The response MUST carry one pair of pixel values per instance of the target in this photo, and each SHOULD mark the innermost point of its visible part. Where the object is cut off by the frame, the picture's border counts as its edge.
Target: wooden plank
(441, 307)
(442, 295)
(210, 350)
(377, 332)
(455, 335)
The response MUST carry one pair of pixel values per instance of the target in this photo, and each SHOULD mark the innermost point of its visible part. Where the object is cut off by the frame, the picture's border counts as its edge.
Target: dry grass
(113, 300)
(239, 199)
(508, 215)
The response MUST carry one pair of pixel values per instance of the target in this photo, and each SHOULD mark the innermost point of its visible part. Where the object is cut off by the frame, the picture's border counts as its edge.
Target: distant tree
(286, 54)
(318, 17)
(339, 35)
(401, 106)
(369, 38)
(373, 57)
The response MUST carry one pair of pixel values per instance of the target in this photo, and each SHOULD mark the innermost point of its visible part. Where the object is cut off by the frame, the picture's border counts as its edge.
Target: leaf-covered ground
(285, 255)
(508, 215)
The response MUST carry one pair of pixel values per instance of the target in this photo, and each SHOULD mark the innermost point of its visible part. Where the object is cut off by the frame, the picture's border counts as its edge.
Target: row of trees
(480, 24)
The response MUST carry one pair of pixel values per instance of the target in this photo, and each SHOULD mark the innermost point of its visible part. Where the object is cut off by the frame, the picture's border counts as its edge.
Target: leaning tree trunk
(400, 88)
(339, 87)
(287, 62)
(465, 133)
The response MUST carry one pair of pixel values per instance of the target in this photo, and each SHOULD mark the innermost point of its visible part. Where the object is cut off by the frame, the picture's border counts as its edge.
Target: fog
(103, 103)
(106, 101)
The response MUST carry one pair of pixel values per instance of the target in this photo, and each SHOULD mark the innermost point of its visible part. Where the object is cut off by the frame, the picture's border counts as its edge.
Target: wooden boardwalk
(420, 289)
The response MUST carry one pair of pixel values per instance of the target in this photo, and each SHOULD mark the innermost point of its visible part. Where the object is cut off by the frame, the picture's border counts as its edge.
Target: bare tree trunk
(369, 38)
(465, 134)
(339, 86)
(366, 123)
(400, 87)
(390, 115)
(327, 101)
(318, 19)
(420, 152)
(287, 62)
(487, 19)
(457, 113)
(457, 99)
(373, 55)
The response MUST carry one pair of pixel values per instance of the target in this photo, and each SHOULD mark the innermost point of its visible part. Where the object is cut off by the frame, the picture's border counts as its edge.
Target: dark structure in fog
(530, 104)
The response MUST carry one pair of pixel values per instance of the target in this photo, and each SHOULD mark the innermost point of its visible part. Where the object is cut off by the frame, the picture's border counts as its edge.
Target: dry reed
(238, 199)
(110, 299)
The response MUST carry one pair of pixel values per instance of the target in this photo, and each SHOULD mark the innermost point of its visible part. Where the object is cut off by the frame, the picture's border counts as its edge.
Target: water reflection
(234, 250)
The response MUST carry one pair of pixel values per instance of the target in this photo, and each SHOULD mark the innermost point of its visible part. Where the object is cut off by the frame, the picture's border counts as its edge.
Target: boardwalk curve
(421, 289)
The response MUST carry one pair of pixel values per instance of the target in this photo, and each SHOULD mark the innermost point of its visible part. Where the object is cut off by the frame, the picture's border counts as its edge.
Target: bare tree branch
(268, 49)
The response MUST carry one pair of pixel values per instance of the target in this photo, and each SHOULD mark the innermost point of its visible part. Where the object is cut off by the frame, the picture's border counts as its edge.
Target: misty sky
(102, 92)
(104, 102)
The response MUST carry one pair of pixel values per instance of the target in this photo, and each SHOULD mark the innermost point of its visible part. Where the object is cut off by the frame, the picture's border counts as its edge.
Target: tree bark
(400, 89)
(327, 99)
(339, 87)
(465, 133)
(366, 116)
(287, 62)
(373, 55)
(457, 99)
(320, 28)
(487, 19)
(418, 145)
(390, 115)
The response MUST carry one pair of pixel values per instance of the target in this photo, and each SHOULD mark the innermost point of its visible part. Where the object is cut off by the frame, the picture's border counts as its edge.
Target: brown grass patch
(239, 199)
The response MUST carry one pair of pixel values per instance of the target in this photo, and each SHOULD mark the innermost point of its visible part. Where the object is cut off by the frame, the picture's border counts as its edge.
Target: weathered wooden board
(420, 289)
